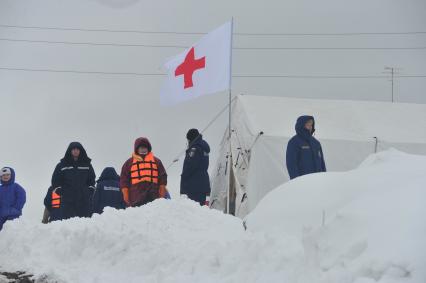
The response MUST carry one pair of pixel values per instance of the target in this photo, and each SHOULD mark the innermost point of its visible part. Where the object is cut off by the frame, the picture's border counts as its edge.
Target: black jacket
(74, 177)
(108, 191)
(195, 177)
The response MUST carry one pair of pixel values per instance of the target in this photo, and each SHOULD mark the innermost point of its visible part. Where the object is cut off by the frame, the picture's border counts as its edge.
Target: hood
(142, 141)
(109, 173)
(300, 126)
(83, 155)
(12, 179)
(201, 143)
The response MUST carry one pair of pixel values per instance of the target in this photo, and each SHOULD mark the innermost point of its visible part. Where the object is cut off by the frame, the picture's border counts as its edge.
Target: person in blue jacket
(304, 152)
(108, 191)
(195, 181)
(12, 196)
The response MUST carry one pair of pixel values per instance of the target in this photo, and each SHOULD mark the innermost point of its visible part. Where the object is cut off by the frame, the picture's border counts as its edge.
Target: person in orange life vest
(143, 177)
(52, 206)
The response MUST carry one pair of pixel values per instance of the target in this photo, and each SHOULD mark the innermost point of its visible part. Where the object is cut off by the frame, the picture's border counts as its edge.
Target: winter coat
(12, 199)
(75, 182)
(108, 191)
(142, 192)
(55, 212)
(304, 152)
(195, 180)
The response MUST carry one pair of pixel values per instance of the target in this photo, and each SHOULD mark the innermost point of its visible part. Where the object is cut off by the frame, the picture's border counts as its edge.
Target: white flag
(204, 68)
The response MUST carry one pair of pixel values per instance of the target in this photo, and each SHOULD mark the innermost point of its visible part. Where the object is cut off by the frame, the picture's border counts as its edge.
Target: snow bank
(374, 231)
(365, 225)
(165, 241)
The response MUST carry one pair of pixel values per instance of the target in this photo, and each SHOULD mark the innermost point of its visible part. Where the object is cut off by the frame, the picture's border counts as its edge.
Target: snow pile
(165, 241)
(374, 231)
(367, 224)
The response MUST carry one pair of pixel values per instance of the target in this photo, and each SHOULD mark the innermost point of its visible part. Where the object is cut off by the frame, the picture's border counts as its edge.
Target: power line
(201, 33)
(235, 76)
(182, 46)
(92, 43)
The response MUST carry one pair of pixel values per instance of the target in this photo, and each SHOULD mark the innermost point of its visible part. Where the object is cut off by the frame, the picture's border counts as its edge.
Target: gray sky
(42, 112)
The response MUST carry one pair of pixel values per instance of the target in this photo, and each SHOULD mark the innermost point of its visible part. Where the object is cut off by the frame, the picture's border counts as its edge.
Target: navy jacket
(12, 199)
(55, 213)
(108, 191)
(304, 152)
(76, 180)
(195, 178)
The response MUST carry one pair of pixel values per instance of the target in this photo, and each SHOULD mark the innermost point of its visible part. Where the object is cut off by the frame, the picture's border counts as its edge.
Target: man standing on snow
(143, 177)
(195, 182)
(12, 196)
(304, 152)
(73, 180)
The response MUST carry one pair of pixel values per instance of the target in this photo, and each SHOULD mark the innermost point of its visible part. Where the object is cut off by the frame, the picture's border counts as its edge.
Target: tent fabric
(349, 131)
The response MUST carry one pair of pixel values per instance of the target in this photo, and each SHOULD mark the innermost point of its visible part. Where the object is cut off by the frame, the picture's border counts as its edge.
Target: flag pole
(230, 119)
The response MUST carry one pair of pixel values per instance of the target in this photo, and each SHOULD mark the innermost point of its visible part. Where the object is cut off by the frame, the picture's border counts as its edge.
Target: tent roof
(337, 119)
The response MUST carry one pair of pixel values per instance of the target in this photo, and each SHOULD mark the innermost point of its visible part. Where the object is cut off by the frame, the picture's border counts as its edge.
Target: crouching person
(12, 196)
(143, 176)
(52, 206)
(108, 191)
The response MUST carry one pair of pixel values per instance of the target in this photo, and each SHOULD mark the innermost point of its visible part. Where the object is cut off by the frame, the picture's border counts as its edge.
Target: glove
(125, 192)
(207, 202)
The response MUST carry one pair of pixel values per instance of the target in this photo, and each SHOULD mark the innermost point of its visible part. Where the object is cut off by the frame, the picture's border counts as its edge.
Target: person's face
(6, 177)
(309, 126)
(75, 152)
(142, 150)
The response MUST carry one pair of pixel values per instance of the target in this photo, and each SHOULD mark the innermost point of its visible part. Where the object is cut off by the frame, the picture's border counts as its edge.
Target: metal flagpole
(229, 120)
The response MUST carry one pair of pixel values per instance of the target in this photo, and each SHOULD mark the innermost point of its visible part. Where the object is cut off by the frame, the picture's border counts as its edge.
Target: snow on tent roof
(346, 119)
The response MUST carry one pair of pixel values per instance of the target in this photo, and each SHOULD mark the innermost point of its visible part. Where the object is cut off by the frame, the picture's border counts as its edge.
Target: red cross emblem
(189, 66)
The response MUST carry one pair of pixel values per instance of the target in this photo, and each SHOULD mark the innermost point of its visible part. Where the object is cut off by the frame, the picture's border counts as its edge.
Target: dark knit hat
(192, 135)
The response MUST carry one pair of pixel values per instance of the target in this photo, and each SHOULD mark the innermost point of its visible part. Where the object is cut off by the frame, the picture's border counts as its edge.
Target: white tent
(349, 131)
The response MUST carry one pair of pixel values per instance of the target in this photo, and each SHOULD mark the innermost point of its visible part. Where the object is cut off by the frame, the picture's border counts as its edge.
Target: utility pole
(392, 71)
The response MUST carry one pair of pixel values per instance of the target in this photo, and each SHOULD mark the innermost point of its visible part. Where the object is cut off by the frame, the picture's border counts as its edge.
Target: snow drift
(368, 222)
(374, 231)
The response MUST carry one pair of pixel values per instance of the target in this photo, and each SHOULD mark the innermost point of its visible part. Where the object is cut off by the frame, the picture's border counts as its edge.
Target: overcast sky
(42, 112)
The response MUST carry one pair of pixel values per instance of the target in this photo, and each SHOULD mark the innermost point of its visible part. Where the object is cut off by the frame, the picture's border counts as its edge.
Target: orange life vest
(56, 200)
(144, 169)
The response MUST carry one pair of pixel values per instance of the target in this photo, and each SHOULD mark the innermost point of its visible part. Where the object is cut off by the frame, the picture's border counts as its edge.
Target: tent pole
(228, 202)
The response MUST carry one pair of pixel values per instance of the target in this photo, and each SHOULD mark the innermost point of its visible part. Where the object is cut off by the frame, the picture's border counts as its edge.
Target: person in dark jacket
(73, 180)
(108, 191)
(195, 182)
(304, 152)
(143, 177)
(52, 206)
(12, 196)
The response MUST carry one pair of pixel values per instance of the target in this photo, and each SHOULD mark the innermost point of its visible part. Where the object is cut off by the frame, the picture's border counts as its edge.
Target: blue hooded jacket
(108, 191)
(195, 177)
(12, 199)
(304, 152)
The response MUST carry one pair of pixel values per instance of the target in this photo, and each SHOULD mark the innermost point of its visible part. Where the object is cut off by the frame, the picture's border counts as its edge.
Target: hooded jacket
(195, 177)
(12, 199)
(304, 153)
(137, 192)
(74, 179)
(108, 191)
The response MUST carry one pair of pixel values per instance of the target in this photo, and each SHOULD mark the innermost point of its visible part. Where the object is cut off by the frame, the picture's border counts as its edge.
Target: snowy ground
(374, 230)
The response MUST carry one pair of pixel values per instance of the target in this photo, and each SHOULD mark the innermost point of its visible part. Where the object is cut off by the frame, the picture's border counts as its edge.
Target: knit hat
(192, 135)
(5, 171)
